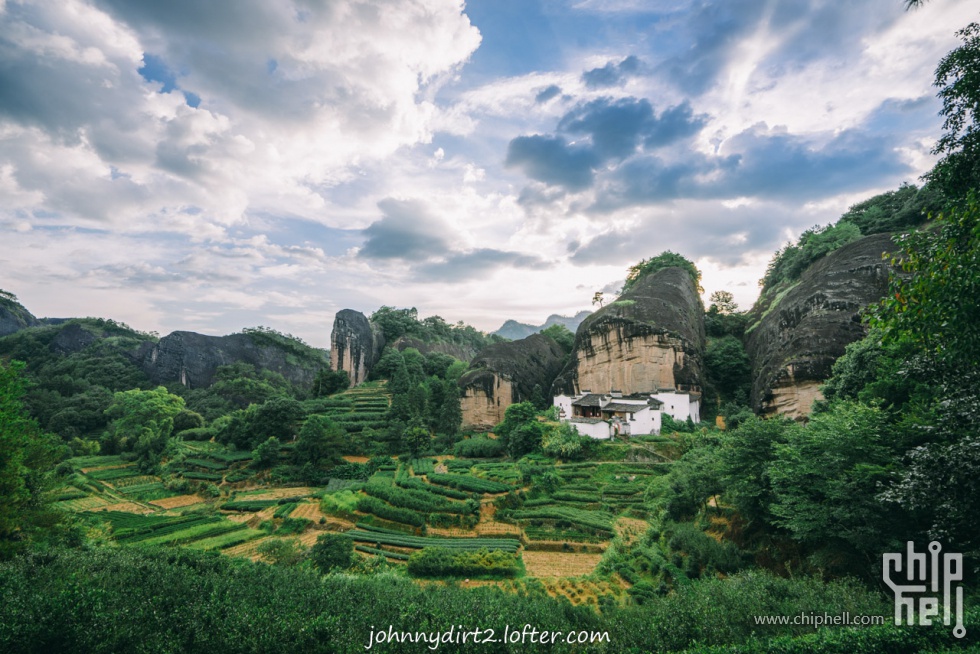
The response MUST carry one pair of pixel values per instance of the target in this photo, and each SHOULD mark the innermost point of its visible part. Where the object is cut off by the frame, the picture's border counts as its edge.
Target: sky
(210, 166)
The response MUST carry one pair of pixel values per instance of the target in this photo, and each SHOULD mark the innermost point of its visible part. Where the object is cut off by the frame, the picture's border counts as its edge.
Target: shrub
(332, 552)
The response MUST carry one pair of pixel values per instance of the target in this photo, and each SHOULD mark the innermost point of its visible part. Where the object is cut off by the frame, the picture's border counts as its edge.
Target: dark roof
(590, 421)
(623, 407)
(589, 400)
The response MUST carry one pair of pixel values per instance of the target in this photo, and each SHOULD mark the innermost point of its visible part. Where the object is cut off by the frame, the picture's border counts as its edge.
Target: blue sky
(212, 166)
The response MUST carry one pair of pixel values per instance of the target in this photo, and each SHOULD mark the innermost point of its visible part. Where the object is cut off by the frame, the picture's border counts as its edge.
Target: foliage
(906, 207)
(520, 432)
(441, 562)
(789, 263)
(562, 335)
(395, 323)
(266, 455)
(279, 551)
(825, 479)
(142, 421)
(320, 440)
(332, 552)
(927, 305)
(958, 172)
(747, 454)
(666, 259)
(564, 442)
(328, 382)
(479, 447)
(470, 483)
(729, 371)
(26, 458)
(380, 536)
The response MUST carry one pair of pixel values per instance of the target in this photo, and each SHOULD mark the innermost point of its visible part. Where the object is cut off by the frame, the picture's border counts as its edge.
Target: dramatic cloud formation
(189, 165)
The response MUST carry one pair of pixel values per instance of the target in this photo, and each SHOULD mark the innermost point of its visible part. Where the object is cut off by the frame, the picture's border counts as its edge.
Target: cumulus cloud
(407, 231)
(163, 107)
(612, 74)
(551, 159)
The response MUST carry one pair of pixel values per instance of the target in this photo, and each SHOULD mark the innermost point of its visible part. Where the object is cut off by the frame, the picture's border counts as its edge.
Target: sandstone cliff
(192, 359)
(505, 373)
(355, 345)
(650, 337)
(796, 332)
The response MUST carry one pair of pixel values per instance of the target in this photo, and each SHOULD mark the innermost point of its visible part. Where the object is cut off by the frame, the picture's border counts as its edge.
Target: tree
(958, 76)
(825, 482)
(728, 367)
(418, 440)
(266, 455)
(320, 440)
(597, 299)
(332, 552)
(666, 259)
(747, 454)
(724, 301)
(561, 335)
(26, 457)
(142, 421)
(328, 382)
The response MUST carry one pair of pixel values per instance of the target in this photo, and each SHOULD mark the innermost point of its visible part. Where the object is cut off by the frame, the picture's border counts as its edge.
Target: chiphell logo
(934, 572)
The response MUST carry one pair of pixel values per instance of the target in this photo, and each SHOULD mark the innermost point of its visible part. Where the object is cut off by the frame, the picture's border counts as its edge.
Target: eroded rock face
(192, 359)
(505, 373)
(795, 336)
(651, 337)
(355, 345)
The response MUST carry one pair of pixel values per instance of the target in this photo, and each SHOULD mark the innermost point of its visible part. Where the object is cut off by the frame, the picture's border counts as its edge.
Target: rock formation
(505, 373)
(355, 345)
(651, 337)
(14, 316)
(192, 359)
(796, 333)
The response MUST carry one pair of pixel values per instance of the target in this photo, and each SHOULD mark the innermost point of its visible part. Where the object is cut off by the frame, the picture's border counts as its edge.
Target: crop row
(418, 484)
(248, 505)
(470, 483)
(418, 542)
(122, 520)
(201, 476)
(423, 466)
(114, 473)
(399, 556)
(284, 510)
(177, 524)
(197, 532)
(600, 522)
(226, 540)
(419, 500)
(207, 463)
(141, 488)
(381, 509)
(230, 457)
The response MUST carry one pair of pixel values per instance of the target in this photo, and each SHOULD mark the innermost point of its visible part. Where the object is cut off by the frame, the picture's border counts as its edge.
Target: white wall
(599, 430)
(646, 421)
(565, 403)
(679, 406)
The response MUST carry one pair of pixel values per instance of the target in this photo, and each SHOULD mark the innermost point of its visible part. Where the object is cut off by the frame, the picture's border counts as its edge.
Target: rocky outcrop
(192, 359)
(651, 337)
(796, 333)
(355, 345)
(505, 373)
(14, 316)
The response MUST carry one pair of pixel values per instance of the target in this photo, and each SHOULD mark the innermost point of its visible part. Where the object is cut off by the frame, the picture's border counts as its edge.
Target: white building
(614, 414)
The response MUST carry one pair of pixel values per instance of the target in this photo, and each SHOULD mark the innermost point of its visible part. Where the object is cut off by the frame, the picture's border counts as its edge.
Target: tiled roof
(624, 408)
(591, 399)
(590, 421)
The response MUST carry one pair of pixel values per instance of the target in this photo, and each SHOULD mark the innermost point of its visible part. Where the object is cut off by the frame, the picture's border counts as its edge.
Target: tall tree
(26, 456)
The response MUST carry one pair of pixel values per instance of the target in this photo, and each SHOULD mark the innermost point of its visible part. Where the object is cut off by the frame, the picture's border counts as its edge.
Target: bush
(442, 562)
(332, 552)
(479, 447)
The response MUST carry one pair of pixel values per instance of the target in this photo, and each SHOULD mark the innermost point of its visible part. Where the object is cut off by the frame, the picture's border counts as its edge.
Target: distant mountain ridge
(517, 330)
